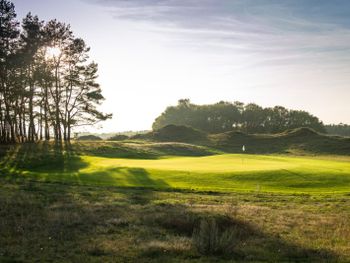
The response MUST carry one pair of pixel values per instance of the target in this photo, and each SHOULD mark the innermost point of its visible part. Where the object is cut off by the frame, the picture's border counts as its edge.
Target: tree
(8, 35)
(44, 92)
(253, 117)
(82, 98)
(57, 37)
(338, 129)
(227, 116)
(31, 40)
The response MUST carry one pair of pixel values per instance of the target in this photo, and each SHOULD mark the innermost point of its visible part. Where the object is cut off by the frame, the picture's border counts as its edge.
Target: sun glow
(53, 52)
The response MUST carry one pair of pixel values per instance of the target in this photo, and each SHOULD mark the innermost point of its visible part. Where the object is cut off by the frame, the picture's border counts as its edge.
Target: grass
(222, 172)
(65, 223)
(132, 202)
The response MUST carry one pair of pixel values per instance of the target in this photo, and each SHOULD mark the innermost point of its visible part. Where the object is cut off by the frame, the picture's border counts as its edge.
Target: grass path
(227, 172)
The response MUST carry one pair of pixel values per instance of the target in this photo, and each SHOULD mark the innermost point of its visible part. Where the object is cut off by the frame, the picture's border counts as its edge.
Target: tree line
(47, 82)
(340, 129)
(226, 116)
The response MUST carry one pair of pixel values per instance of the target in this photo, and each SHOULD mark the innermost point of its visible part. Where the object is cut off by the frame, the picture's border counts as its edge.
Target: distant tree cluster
(227, 116)
(47, 84)
(338, 129)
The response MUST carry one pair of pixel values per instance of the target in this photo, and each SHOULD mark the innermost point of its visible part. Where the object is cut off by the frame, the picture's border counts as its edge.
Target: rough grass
(298, 141)
(64, 223)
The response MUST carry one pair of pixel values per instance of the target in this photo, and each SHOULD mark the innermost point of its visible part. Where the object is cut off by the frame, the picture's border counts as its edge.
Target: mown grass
(222, 172)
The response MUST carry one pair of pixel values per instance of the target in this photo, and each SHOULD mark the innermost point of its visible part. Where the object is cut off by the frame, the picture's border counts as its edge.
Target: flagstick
(243, 150)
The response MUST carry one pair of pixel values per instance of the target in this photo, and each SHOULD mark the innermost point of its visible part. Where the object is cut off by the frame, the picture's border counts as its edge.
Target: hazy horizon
(153, 52)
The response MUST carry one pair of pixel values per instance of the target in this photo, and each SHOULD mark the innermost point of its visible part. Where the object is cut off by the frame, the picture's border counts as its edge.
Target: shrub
(118, 137)
(209, 239)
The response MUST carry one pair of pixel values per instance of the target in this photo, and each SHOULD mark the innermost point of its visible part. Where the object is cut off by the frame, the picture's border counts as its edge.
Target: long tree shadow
(39, 157)
(113, 150)
(128, 178)
(61, 163)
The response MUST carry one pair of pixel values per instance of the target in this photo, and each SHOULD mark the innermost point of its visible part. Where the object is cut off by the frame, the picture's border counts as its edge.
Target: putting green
(209, 164)
(227, 172)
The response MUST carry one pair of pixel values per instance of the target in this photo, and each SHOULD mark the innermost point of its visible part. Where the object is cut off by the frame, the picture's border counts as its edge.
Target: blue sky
(294, 53)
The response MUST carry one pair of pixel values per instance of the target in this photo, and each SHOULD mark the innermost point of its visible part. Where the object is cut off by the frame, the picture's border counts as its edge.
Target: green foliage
(226, 116)
(174, 133)
(44, 94)
(338, 129)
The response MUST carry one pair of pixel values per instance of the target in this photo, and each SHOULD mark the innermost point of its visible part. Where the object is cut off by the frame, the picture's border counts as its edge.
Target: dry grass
(60, 223)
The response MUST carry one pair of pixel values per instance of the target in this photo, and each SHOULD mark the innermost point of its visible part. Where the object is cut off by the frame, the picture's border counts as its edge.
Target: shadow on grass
(59, 164)
(129, 178)
(67, 222)
(70, 223)
(248, 242)
(135, 150)
(40, 157)
(113, 150)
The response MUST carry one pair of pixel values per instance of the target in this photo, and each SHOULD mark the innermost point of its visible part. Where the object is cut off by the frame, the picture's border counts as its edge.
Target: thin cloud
(298, 46)
(252, 26)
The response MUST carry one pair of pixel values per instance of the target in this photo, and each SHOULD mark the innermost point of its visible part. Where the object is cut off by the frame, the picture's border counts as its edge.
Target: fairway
(226, 172)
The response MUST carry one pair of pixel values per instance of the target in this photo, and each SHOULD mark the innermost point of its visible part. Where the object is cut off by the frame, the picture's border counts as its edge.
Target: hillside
(174, 133)
(296, 141)
(299, 141)
(89, 138)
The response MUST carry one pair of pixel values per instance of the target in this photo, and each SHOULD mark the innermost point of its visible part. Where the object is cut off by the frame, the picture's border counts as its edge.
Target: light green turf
(227, 172)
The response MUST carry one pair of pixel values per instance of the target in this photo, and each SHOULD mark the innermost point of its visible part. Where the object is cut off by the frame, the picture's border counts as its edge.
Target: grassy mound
(174, 133)
(299, 141)
(118, 137)
(300, 132)
(179, 149)
(139, 150)
(89, 138)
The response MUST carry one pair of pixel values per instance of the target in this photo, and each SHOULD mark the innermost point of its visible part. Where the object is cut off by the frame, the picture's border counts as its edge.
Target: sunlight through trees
(48, 84)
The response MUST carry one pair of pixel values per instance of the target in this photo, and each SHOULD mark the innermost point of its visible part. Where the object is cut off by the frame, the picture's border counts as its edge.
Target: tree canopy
(48, 85)
(341, 129)
(226, 116)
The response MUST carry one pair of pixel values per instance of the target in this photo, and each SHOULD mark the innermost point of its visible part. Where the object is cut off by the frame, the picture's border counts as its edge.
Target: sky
(151, 53)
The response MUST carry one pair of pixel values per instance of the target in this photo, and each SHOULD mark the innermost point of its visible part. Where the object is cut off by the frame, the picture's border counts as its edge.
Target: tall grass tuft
(208, 239)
